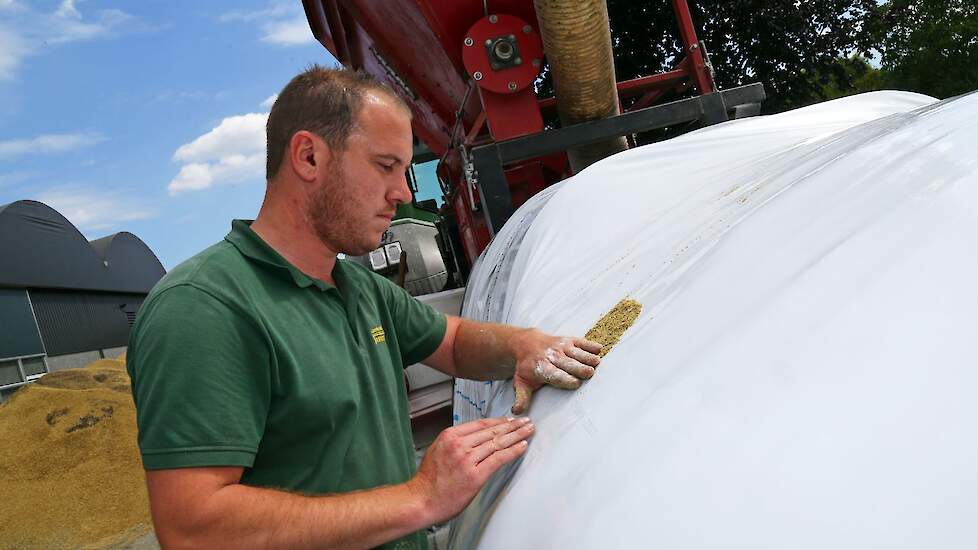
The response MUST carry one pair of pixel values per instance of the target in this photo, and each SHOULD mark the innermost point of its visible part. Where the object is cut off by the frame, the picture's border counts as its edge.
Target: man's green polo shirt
(237, 358)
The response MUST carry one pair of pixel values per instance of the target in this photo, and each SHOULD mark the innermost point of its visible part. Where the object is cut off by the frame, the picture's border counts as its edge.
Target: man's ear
(307, 155)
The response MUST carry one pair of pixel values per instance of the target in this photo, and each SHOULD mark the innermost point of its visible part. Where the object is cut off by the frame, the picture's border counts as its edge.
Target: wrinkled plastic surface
(804, 373)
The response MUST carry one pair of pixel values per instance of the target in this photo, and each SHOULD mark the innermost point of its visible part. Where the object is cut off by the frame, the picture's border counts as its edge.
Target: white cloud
(94, 210)
(236, 134)
(292, 32)
(67, 9)
(283, 24)
(12, 50)
(231, 169)
(48, 143)
(233, 151)
(270, 101)
(25, 32)
(277, 10)
(68, 28)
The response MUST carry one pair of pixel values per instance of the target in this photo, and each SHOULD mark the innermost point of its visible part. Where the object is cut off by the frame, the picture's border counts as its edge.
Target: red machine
(467, 69)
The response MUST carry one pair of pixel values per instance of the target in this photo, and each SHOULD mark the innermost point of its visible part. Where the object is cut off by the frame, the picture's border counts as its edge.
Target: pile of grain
(608, 330)
(70, 472)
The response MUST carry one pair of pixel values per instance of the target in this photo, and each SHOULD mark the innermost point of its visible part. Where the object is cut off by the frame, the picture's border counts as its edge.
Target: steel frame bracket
(497, 203)
(489, 160)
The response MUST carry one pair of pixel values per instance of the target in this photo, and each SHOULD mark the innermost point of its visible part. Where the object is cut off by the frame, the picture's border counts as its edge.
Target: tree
(860, 76)
(929, 46)
(793, 48)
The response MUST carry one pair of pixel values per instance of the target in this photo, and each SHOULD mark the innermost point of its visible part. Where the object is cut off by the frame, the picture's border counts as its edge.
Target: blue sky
(146, 116)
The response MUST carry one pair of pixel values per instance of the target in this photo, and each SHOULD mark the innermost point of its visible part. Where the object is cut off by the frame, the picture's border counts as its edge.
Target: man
(267, 375)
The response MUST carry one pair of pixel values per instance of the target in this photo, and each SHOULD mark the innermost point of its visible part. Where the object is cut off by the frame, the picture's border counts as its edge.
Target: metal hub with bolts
(502, 53)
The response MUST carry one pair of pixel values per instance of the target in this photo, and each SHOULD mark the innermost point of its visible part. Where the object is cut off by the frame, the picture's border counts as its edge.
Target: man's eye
(386, 167)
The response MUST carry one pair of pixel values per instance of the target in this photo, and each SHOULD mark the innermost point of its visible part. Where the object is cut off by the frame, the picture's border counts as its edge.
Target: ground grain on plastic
(609, 329)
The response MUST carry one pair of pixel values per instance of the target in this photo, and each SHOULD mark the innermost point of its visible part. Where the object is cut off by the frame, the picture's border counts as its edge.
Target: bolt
(511, 37)
(527, 29)
(536, 63)
(518, 61)
(468, 41)
(489, 42)
(503, 50)
(493, 19)
(694, 46)
(477, 75)
(512, 86)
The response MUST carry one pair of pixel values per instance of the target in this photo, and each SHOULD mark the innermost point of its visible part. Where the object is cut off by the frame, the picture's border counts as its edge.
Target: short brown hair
(323, 101)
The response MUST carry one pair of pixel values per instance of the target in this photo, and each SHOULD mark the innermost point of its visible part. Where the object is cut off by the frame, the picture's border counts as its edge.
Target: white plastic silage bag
(804, 373)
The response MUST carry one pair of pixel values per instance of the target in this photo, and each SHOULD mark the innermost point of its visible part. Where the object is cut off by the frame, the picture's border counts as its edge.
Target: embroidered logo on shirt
(378, 334)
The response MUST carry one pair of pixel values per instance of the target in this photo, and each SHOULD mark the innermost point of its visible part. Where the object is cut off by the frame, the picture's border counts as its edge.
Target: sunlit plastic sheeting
(803, 371)
(485, 298)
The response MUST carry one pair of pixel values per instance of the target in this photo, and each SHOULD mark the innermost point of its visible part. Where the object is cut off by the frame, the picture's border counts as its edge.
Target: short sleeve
(420, 328)
(201, 381)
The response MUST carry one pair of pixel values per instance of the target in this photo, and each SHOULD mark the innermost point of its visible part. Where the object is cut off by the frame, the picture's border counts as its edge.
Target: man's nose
(402, 192)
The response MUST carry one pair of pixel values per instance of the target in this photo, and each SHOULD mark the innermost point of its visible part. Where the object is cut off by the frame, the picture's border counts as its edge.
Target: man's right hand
(208, 507)
(461, 460)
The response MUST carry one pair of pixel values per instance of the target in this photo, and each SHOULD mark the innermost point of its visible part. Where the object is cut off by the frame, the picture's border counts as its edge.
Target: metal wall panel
(71, 322)
(18, 331)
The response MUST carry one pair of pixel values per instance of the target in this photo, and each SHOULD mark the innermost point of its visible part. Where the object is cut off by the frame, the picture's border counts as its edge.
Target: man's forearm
(240, 516)
(486, 351)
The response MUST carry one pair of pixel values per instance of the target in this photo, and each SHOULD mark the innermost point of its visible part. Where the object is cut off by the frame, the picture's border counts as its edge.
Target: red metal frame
(699, 71)
(417, 48)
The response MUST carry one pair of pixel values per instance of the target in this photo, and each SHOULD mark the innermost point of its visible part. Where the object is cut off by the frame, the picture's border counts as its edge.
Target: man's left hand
(559, 361)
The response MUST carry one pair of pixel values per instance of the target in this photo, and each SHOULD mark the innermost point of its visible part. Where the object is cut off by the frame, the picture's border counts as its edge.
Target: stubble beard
(333, 217)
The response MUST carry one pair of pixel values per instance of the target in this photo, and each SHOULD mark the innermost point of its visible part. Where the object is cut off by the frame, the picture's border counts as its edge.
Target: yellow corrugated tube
(577, 41)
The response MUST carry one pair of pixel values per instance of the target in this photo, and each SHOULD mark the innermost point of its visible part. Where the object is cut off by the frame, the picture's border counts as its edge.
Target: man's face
(358, 194)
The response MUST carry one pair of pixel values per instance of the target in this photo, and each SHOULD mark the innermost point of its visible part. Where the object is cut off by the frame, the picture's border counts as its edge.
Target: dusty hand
(461, 460)
(557, 361)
